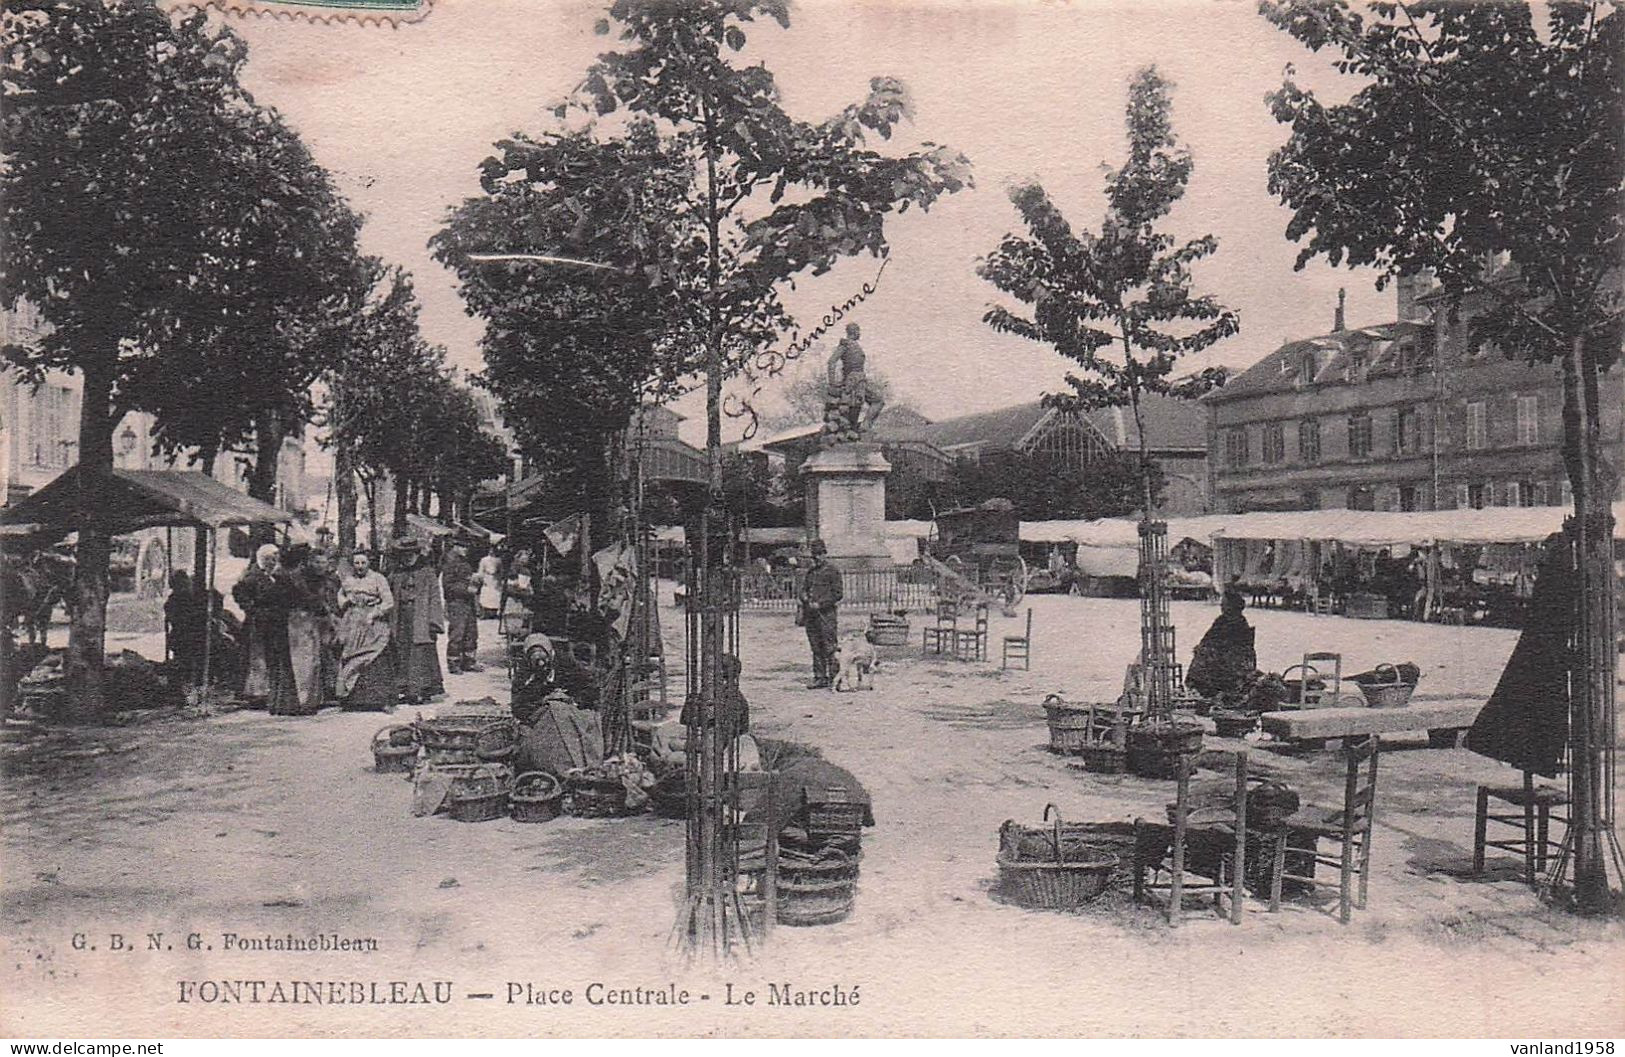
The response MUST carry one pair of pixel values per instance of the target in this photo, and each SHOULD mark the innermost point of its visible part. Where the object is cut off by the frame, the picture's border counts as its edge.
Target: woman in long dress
(253, 595)
(490, 573)
(304, 624)
(366, 677)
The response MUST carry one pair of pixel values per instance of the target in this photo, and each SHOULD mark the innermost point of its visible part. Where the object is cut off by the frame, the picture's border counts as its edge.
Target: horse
(32, 588)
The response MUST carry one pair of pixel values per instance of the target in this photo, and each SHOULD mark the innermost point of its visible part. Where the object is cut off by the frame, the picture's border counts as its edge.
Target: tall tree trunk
(369, 482)
(344, 489)
(402, 486)
(201, 538)
(87, 626)
(1592, 706)
(269, 432)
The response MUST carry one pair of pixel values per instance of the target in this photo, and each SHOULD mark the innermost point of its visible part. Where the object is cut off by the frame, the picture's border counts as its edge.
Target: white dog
(859, 663)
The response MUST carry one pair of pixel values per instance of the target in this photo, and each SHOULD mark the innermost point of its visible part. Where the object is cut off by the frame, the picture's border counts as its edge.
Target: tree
(1126, 289)
(775, 197)
(1478, 135)
(576, 340)
(374, 388)
(129, 144)
(1043, 487)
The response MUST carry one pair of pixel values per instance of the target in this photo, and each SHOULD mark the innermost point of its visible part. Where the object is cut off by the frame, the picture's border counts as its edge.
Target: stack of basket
(818, 879)
(468, 732)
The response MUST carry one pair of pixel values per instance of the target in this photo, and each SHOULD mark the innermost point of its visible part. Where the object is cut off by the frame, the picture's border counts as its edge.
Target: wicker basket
(479, 808)
(833, 812)
(1158, 764)
(1166, 736)
(1384, 688)
(1056, 885)
(394, 748)
(1104, 758)
(889, 630)
(1071, 727)
(838, 866)
(595, 798)
(479, 791)
(536, 797)
(468, 737)
(1053, 867)
(814, 902)
(1231, 724)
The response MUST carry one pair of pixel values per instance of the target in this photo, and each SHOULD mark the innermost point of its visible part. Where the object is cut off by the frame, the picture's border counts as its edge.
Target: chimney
(1337, 323)
(1408, 289)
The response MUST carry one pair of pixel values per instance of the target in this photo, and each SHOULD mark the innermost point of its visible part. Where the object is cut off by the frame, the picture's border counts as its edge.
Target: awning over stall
(136, 499)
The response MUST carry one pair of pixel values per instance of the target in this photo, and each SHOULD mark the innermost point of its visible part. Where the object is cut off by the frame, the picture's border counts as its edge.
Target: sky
(1025, 88)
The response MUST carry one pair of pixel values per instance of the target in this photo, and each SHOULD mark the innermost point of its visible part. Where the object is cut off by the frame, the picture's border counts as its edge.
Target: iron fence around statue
(911, 587)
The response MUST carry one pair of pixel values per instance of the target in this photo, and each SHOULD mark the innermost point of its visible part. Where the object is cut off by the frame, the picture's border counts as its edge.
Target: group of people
(363, 639)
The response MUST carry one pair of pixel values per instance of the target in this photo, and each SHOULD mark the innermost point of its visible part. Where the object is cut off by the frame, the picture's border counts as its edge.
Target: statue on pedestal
(850, 405)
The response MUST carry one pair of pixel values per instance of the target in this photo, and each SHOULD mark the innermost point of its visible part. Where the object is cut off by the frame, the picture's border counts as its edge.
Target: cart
(976, 554)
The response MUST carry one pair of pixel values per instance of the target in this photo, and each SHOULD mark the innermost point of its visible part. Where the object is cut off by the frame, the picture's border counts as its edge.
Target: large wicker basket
(1071, 727)
(1056, 885)
(1052, 867)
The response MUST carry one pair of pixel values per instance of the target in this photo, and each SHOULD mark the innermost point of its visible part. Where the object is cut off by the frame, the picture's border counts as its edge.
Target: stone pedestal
(846, 504)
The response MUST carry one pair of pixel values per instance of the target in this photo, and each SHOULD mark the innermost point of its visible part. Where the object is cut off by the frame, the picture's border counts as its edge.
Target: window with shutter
(1529, 420)
(1477, 425)
(1463, 500)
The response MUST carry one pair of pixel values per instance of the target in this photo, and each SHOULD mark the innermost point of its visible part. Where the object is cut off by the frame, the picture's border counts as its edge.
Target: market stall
(130, 500)
(1467, 566)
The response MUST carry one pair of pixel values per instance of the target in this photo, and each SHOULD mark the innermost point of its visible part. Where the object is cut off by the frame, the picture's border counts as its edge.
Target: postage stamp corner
(390, 13)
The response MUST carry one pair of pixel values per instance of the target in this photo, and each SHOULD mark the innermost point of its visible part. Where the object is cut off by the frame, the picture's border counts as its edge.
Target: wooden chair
(1532, 820)
(1349, 829)
(1327, 669)
(970, 644)
(939, 637)
(1171, 881)
(1019, 647)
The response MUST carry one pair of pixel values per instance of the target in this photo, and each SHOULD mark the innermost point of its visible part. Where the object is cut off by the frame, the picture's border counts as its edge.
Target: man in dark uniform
(461, 589)
(821, 592)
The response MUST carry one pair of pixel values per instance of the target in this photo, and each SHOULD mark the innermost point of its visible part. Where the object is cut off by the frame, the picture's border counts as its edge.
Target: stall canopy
(1362, 528)
(1368, 528)
(428, 527)
(138, 499)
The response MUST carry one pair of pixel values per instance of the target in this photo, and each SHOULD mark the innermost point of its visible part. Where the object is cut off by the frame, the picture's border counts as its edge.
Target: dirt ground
(257, 825)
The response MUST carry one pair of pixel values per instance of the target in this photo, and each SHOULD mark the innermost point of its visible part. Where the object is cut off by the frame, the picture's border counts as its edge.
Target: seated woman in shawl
(366, 677)
(304, 631)
(1225, 661)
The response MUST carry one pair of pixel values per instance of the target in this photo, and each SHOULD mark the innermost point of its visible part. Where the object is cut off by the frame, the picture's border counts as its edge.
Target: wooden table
(1443, 720)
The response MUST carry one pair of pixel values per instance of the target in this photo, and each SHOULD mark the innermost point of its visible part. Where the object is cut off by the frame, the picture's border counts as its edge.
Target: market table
(1443, 721)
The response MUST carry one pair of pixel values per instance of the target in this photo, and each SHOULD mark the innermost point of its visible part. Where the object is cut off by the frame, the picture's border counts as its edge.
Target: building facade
(39, 431)
(1406, 415)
